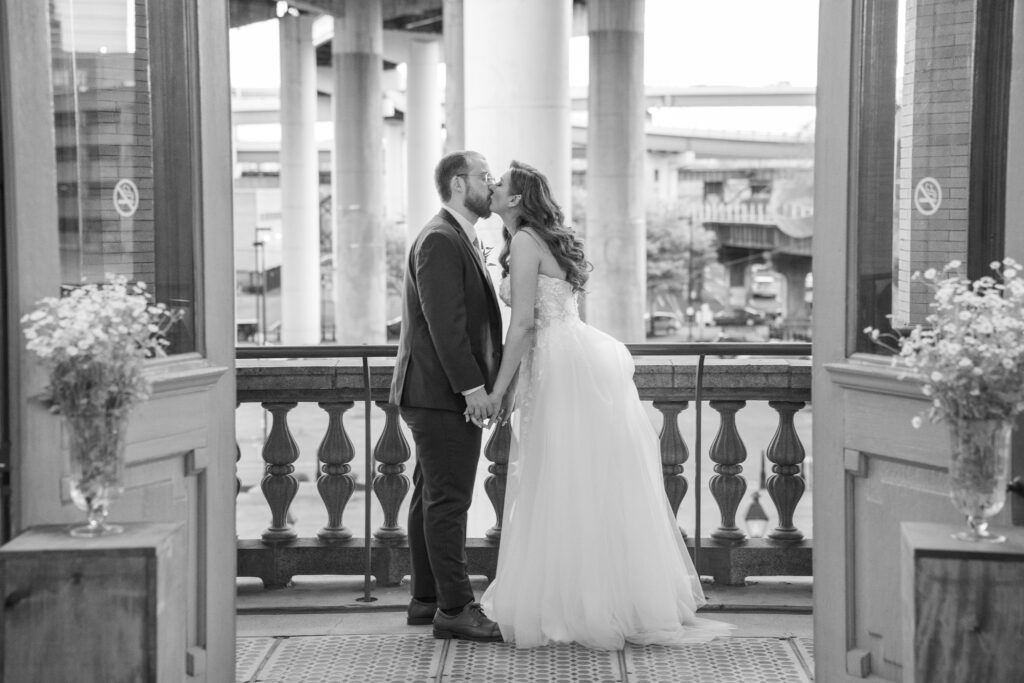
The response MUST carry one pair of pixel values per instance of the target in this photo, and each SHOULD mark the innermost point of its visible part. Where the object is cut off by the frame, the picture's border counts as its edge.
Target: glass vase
(978, 472)
(96, 444)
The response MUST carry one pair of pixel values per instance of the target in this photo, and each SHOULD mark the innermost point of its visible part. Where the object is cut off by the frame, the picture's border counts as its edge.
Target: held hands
(485, 409)
(479, 407)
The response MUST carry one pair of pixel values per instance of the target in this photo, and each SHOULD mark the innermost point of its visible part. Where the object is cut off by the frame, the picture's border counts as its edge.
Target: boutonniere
(486, 251)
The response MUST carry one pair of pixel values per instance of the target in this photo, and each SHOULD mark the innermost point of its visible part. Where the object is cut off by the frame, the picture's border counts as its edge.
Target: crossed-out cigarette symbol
(928, 196)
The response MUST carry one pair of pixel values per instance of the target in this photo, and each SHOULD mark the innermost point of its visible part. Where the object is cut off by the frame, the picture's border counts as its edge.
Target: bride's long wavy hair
(541, 213)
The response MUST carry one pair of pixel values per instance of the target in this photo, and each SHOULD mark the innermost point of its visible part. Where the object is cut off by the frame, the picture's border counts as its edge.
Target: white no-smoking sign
(126, 198)
(927, 196)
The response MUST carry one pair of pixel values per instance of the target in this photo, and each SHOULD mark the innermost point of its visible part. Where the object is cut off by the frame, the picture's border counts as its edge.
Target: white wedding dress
(590, 551)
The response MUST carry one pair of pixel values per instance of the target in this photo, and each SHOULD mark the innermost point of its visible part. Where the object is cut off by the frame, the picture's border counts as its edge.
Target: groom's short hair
(451, 165)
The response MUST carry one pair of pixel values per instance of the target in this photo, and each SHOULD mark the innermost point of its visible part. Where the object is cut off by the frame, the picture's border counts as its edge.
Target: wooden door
(913, 95)
(5, 401)
(96, 96)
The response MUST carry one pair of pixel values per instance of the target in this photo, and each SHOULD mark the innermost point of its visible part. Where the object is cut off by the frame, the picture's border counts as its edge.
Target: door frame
(5, 339)
(851, 388)
(189, 420)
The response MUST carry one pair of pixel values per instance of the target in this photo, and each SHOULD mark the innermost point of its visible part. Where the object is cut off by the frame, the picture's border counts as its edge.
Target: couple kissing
(590, 550)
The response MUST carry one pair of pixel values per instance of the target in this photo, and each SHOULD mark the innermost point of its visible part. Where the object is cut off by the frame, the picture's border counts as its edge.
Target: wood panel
(108, 607)
(832, 189)
(957, 627)
(882, 425)
(890, 491)
(6, 328)
(212, 658)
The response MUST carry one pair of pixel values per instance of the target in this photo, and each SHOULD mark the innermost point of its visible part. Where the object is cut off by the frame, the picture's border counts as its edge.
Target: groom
(448, 356)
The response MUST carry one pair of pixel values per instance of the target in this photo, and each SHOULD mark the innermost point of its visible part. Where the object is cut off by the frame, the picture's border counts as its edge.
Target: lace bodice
(555, 300)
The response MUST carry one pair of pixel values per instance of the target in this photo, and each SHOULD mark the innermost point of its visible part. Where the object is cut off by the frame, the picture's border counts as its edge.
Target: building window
(714, 191)
(125, 168)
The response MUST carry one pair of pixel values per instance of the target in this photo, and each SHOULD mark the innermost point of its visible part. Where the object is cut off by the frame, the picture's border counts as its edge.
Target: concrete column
(517, 91)
(360, 278)
(455, 77)
(422, 130)
(616, 226)
(300, 200)
(795, 269)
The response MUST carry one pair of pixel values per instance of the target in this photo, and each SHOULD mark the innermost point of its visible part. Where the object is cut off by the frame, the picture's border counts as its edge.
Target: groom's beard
(480, 205)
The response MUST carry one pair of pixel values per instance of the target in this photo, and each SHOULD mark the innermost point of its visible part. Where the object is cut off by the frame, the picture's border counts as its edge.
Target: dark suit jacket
(451, 325)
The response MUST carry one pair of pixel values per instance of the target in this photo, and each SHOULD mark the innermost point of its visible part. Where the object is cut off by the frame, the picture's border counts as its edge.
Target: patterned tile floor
(394, 658)
(308, 634)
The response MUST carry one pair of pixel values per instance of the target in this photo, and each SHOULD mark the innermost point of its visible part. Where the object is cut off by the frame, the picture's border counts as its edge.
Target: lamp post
(756, 518)
(260, 264)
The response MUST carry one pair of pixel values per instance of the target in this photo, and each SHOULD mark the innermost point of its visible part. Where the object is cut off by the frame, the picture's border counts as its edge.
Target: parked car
(665, 322)
(732, 317)
(764, 287)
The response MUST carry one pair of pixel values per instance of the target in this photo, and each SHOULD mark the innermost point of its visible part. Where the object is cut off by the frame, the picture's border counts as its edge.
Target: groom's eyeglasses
(487, 177)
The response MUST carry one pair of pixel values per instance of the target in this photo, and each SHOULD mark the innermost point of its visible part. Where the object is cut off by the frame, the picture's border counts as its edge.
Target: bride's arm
(524, 265)
(508, 401)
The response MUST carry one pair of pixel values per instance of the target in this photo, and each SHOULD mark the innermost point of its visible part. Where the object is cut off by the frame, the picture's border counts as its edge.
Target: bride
(590, 552)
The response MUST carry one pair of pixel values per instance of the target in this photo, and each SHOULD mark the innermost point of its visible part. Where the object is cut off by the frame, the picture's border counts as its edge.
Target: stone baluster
(496, 451)
(238, 458)
(334, 482)
(391, 486)
(786, 486)
(673, 452)
(238, 480)
(279, 484)
(727, 486)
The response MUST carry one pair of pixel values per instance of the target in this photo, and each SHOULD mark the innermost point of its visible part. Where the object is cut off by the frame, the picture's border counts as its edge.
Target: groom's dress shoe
(420, 613)
(469, 624)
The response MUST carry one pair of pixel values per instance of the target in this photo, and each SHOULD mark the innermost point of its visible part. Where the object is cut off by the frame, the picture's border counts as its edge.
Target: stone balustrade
(670, 382)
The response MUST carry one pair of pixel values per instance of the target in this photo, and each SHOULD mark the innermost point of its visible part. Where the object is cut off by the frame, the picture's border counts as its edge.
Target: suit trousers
(447, 453)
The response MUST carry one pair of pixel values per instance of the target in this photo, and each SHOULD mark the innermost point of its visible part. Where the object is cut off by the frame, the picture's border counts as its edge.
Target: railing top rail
(320, 351)
(721, 349)
(659, 349)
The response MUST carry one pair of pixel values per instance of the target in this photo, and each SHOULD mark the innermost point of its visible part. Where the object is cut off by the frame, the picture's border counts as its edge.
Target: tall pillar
(517, 91)
(795, 269)
(616, 227)
(422, 130)
(455, 77)
(300, 179)
(360, 278)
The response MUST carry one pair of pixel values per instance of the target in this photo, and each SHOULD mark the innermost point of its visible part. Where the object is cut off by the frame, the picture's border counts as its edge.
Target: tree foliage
(678, 252)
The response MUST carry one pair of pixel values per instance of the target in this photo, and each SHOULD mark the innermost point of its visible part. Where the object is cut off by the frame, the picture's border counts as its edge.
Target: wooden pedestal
(101, 609)
(963, 606)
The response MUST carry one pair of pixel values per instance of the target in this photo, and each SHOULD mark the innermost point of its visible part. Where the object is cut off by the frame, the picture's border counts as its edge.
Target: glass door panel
(122, 139)
(929, 176)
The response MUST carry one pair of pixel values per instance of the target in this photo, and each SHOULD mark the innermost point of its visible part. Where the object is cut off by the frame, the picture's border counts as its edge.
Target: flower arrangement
(971, 351)
(94, 341)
